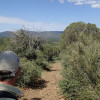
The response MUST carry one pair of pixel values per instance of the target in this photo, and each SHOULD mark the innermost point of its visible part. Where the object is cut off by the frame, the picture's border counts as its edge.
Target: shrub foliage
(81, 68)
(30, 73)
(34, 53)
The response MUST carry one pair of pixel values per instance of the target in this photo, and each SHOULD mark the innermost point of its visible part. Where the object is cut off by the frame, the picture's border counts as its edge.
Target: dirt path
(49, 88)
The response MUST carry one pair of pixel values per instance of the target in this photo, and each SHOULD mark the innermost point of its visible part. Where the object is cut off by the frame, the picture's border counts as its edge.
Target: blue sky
(47, 15)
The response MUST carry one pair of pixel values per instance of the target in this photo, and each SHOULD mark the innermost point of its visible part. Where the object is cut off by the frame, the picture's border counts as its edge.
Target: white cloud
(93, 3)
(36, 25)
(9, 20)
(61, 1)
(79, 3)
(90, 2)
(96, 6)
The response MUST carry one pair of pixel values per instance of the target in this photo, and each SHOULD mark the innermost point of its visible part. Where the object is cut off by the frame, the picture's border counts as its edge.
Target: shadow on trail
(53, 70)
(39, 84)
(35, 99)
(32, 99)
(46, 69)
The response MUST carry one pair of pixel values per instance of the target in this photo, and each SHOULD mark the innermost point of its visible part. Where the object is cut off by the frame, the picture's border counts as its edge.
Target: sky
(47, 15)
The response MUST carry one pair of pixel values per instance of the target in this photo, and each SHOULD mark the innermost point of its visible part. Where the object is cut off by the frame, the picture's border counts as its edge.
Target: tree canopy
(75, 30)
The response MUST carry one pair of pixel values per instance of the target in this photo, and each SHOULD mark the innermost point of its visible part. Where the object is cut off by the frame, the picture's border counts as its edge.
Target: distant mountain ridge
(5, 34)
(45, 34)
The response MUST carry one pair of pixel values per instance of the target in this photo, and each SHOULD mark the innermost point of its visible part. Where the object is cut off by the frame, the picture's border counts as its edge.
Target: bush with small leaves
(81, 70)
(29, 74)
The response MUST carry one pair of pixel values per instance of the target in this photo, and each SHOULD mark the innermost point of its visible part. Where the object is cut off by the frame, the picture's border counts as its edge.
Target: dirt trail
(49, 88)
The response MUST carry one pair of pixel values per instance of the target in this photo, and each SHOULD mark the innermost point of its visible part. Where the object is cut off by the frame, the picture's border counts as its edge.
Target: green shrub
(50, 51)
(4, 44)
(81, 70)
(30, 53)
(29, 74)
(75, 30)
(41, 61)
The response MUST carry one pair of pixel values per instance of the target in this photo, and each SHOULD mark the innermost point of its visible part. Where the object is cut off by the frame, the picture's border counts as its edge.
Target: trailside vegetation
(34, 54)
(81, 62)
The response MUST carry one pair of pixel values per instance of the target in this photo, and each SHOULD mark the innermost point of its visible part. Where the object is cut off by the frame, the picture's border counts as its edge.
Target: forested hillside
(48, 35)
